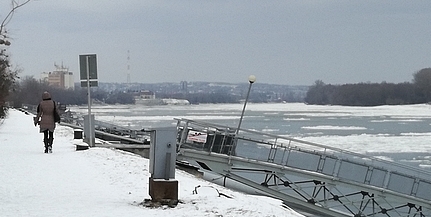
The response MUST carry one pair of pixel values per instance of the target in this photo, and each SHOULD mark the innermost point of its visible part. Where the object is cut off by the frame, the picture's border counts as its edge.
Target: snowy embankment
(99, 181)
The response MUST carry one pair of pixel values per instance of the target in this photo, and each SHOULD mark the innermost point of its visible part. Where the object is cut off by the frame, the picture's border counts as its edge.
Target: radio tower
(128, 66)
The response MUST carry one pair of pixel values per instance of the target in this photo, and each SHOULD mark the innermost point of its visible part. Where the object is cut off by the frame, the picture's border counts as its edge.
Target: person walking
(46, 120)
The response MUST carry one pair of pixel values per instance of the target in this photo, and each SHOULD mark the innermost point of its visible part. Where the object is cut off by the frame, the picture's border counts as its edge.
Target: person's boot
(50, 141)
(46, 143)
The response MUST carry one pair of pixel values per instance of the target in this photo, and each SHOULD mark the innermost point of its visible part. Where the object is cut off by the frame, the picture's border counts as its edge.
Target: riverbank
(100, 181)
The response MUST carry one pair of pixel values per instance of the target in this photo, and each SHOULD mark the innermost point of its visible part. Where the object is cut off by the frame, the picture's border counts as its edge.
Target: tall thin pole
(90, 131)
(128, 66)
(243, 109)
(251, 80)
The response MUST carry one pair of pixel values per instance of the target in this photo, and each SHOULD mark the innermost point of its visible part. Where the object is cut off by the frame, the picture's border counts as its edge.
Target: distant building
(147, 97)
(183, 86)
(60, 78)
(145, 94)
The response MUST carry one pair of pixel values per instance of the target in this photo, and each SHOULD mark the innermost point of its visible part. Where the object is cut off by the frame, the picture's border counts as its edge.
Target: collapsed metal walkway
(308, 176)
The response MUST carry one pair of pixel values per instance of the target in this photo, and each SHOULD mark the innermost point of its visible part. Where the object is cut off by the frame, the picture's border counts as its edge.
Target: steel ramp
(307, 176)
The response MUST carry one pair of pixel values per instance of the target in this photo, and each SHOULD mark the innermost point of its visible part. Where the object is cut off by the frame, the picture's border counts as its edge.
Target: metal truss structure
(308, 176)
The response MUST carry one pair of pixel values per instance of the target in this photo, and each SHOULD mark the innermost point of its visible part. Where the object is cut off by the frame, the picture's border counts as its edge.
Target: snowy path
(98, 182)
(37, 184)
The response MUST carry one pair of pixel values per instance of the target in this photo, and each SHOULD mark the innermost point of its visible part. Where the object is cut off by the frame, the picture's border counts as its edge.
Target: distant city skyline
(280, 42)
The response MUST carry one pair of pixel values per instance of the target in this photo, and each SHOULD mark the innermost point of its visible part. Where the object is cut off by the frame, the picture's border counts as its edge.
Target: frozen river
(399, 133)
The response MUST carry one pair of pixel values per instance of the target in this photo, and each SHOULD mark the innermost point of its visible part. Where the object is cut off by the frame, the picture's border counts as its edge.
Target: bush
(7, 79)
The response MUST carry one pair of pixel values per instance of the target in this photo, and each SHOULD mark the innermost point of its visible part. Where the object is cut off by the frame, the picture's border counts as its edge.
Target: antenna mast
(128, 66)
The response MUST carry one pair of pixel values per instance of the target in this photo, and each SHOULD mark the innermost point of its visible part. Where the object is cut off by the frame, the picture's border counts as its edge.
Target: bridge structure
(308, 176)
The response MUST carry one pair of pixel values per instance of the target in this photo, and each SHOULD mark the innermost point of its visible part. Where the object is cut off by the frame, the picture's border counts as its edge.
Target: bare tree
(6, 20)
(7, 76)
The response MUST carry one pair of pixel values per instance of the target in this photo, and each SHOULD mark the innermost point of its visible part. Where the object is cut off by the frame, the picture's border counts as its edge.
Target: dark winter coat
(45, 111)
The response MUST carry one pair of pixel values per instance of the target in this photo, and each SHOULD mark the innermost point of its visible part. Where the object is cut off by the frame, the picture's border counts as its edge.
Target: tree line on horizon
(28, 90)
(373, 94)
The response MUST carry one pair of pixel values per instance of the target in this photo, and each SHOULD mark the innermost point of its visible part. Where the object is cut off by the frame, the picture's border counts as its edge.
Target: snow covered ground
(99, 181)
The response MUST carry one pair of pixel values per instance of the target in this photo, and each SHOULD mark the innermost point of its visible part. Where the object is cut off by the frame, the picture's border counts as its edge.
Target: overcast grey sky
(294, 42)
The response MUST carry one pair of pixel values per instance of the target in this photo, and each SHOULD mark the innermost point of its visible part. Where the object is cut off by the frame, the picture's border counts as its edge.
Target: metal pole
(251, 80)
(90, 125)
(243, 109)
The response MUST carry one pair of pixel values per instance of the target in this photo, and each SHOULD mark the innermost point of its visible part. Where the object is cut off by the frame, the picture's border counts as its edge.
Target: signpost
(88, 77)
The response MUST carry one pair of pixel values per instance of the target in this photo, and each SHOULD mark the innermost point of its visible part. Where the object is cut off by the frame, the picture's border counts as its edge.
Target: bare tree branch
(15, 6)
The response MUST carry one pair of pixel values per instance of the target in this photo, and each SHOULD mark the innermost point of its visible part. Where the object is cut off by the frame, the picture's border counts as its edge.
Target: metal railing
(72, 118)
(294, 153)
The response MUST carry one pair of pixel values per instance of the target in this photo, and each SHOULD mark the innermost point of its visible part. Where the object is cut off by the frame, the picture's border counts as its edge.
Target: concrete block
(161, 189)
(77, 134)
(81, 145)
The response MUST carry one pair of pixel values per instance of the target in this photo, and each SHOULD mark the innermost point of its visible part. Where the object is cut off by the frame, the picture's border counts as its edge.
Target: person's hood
(46, 95)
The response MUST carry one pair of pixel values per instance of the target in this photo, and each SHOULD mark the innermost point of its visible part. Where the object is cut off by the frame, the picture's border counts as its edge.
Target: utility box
(89, 130)
(162, 185)
(163, 153)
